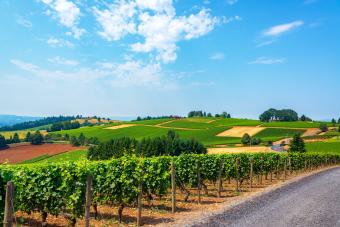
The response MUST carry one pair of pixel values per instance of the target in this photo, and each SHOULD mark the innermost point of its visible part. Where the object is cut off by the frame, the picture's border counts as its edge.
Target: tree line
(155, 118)
(200, 113)
(280, 115)
(66, 125)
(171, 144)
(38, 123)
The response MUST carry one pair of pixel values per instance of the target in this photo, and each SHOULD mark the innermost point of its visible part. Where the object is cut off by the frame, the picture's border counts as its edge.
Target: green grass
(274, 134)
(295, 124)
(150, 122)
(204, 130)
(324, 147)
(64, 157)
(188, 124)
(235, 122)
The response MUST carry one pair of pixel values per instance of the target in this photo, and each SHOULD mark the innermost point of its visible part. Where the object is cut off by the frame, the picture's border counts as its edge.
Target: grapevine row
(55, 189)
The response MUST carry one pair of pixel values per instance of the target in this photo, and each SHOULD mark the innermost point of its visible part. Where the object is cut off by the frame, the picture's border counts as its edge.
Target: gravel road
(312, 201)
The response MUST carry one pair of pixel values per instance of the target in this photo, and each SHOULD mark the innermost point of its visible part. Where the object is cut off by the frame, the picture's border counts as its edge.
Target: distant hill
(9, 120)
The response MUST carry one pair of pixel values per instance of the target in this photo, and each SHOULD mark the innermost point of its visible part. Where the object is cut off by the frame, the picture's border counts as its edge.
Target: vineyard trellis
(54, 189)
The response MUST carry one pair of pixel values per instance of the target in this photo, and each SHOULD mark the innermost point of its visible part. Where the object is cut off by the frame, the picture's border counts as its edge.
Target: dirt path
(312, 201)
(24, 152)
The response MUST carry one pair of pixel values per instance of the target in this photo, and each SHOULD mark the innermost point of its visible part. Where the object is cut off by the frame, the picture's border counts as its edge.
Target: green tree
(2, 142)
(246, 139)
(209, 115)
(15, 138)
(37, 138)
(333, 122)
(297, 144)
(74, 141)
(339, 121)
(28, 137)
(339, 128)
(323, 127)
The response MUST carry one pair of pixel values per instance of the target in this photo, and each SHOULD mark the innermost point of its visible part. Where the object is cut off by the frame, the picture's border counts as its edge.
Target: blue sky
(159, 57)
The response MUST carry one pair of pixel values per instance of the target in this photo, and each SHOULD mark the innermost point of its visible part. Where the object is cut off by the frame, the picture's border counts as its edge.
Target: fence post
(140, 195)
(220, 180)
(285, 170)
(251, 173)
(88, 200)
(8, 215)
(237, 174)
(199, 183)
(290, 165)
(278, 169)
(261, 170)
(271, 170)
(305, 168)
(173, 186)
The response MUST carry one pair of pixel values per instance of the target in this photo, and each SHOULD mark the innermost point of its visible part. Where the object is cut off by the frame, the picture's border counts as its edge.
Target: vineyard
(59, 189)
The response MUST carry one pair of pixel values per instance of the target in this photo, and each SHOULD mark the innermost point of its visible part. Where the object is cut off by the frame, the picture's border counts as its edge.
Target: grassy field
(64, 157)
(295, 124)
(324, 147)
(203, 129)
(273, 134)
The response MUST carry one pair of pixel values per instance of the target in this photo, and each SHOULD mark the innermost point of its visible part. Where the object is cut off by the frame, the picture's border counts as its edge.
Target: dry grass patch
(240, 131)
(121, 126)
(226, 150)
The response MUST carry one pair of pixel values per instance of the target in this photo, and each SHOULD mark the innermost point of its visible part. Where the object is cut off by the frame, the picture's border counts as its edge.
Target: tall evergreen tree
(297, 144)
(16, 138)
(2, 142)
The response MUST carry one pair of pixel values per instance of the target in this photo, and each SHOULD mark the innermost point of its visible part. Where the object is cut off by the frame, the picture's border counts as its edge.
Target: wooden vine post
(271, 170)
(8, 212)
(237, 174)
(173, 186)
(220, 179)
(139, 200)
(278, 169)
(305, 168)
(290, 165)
(285, 170)
(88, 200)
(199, 183)
(261, 170)
(251, 173)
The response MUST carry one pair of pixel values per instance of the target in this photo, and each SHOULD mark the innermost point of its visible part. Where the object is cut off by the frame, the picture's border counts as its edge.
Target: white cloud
(156, 22)
(282, 28)
(232, 2)
(127, 74)
(217, 56)
(62, 61)
(24, 22)
(267, 61)
(54, 42)
(68, 14)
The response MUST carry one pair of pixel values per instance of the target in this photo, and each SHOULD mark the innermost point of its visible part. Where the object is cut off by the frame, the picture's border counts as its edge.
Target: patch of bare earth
(239, 131)
(226, 150)
(121, 126)
(17, 154)
(158, 211)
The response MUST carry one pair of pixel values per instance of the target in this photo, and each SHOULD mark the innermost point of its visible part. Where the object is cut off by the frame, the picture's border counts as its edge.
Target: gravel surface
(312, 201)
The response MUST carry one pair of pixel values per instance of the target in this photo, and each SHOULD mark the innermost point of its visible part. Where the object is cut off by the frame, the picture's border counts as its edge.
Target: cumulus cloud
(282, 28)
(267, 61)
(155, 21)
(68, 14)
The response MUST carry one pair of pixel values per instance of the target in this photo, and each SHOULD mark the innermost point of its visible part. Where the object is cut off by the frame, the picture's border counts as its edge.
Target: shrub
(323, 127)
(37, 138)
(246, 139)
(297, 144)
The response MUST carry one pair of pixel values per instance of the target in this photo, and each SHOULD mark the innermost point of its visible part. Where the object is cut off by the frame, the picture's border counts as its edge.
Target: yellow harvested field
(121, 126)
(240, 131)
(227, 150)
